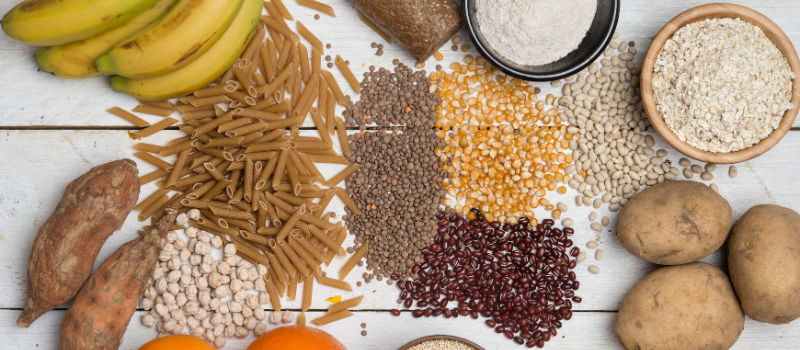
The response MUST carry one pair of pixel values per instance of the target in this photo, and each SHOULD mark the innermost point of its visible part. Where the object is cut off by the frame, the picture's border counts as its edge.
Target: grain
(567, 222)
(721, 84)
(581, 257)
(733, 172)
(605, 221)
(594, 269)
(706, 176)
(697, 169)
(441, 344)
(598, 254)
(597, 227)
(591, 245)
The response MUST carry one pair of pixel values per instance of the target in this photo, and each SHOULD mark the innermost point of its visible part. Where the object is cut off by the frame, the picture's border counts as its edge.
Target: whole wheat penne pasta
(294, 200)
(279, 286)
(152, 129)
(177, 168)
(178, 141)
(302, 146)
(293, 177)
(277, 83)
(276, 38)
(251, 52)
(268, 155)
(214, 99)
(348, 74)
(305, 63)
(272, 214)
(302, 169)
(233, 124)
(330, 282)
(348, 202)
(309, 165)
(310, 249)
(193, 179)
(146, 147)
(194, 203)
(328, 319)
(298, 263)
(235, 214)
(276, 26)
(313, 220)
(321, 128)
(291, 291)
(273, 135)
(160, 104)
(343, 141)
(205, 128)
(153, 110)
(282, 258)
(295, 189)
(340, 236)
(215, 190)
(289, 225)
(132, 118)
(190, 108)
(354, 259)
(268, 231)
(199, 115)
(303, 255)
(243, 225)
(308, 292)
(238, 72)
(375, 28)
(234, 178)
(247, 129)
(217, 90)
(267, 64)
(316, 61)
(323, 158)
(216, 152)
(279, 203)
(150, 200)
(214, 171)
(198, 190)
(334, 86)
(236, 104)
(279, 168)
(268, 146)
(242, 97)
(225, 141)
(282, 9)
(253, 238)
(317, 6)
(249, 138)
(345, 304)
(277, 266)
(274, 297)
(342, 175)
(278, 108)
(212, 160)
(158, 162)
(306, 191)
(327, 241)
(168, 151)
(282, 214)
(248, 180)
(148, 178)
(285, 58)
(327, 152)
(312, 39)
(323, 203)
(254, 113)
(323, 96)
(153, 207)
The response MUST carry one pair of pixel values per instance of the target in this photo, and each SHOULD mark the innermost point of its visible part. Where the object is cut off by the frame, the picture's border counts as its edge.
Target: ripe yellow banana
(202, 71)
(177, 39)
(56, 22)
(76, 59)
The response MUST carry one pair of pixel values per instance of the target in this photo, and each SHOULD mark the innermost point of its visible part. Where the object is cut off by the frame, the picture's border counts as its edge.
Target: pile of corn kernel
(504, 147)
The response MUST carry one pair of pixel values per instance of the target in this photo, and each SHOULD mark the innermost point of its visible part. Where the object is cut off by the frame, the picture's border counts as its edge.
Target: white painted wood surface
(36, 165)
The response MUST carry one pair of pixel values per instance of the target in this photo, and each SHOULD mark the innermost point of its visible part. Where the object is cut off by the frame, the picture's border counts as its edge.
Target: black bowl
(592, 46)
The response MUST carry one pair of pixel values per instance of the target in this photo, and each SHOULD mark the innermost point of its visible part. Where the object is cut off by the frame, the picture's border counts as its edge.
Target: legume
(733, 172)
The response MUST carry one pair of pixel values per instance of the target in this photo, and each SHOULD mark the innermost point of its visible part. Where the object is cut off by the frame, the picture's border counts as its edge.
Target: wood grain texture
(39, 99)
(701, 13)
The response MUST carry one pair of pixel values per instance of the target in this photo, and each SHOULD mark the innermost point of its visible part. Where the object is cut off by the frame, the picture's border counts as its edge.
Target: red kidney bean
(417, 313)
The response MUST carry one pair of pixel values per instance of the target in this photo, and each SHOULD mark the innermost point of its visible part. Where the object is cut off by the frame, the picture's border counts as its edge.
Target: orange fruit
(178, 342)
(296, 338)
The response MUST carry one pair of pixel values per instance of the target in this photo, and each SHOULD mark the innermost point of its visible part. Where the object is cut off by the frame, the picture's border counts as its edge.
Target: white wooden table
(52, 130)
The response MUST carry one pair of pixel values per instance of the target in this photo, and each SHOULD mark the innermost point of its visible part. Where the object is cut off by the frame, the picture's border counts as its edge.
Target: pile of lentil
(504, 147)
(518, 275)
(397, 189)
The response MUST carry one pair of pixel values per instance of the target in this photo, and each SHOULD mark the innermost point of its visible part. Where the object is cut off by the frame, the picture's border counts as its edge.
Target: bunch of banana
(153, 49)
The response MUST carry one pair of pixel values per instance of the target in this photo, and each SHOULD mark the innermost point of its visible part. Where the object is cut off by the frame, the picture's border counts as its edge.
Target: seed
(707, 176)
(594, 269)
(605, 221)
(597, 227)
(556, 83)
(687, 172)
(714, 188)
(593, 216)
(685, 162)
(438, 56)
(561, 206)
(567, 222)
(697, 169)
(364, 333)
(456, 40)
(581, 257)
(711, 167)
(591, 245)
(598, 254)
(733, 172)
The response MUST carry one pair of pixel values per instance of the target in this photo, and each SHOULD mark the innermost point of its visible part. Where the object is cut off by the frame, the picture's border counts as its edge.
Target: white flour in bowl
(534, 32)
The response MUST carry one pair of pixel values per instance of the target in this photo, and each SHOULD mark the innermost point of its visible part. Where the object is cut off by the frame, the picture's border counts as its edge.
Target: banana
(56, 22)
(177, 39)
(76, 59)
(202, 71)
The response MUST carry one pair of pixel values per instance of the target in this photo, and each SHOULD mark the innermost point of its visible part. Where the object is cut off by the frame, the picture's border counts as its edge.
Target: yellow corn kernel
(438, 56)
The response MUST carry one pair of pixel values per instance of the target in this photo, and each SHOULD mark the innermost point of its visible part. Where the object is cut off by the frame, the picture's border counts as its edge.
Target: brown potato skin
(764, 263)
(100, 313)
(690, 306)
(675, 222)
(64, 251)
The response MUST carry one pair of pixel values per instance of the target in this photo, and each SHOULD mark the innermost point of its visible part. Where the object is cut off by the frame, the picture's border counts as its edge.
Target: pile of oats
(721, 85)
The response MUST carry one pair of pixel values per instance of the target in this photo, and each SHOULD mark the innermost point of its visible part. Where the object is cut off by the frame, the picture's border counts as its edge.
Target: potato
(764, 263)
(674, 223)
(690, 306)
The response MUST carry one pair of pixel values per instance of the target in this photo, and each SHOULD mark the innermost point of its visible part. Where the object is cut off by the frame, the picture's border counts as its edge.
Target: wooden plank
(38, 99)
(586, 330)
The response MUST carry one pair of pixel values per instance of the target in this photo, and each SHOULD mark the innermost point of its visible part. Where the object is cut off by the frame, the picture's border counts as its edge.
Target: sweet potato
(101, 311)
(63, 254)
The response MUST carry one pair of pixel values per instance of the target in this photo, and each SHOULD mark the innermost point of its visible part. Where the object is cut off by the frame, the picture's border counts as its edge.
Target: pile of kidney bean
(520, 276)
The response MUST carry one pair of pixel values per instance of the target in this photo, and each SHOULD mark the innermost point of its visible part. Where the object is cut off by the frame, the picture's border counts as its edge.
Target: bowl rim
(480, 47)
(443, 337)
(720, 10)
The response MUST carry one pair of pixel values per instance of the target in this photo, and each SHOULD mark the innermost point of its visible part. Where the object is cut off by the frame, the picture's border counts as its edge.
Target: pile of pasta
(245, 167)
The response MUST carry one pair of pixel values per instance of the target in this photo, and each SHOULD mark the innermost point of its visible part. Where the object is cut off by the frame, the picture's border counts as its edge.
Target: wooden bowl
(440, 337)
(700, 13)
